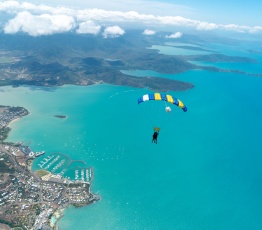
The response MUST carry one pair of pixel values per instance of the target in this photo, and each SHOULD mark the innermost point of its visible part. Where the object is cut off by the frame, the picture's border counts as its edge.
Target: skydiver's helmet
(168, 109)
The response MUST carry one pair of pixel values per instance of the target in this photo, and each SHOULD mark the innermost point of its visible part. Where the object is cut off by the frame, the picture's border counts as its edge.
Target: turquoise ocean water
(204, 173)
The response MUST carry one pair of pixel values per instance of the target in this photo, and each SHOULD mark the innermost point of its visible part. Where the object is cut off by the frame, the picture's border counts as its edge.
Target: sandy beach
(12, 121)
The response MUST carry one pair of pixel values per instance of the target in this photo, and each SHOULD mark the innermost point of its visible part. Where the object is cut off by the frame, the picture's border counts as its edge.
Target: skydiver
(155, 135)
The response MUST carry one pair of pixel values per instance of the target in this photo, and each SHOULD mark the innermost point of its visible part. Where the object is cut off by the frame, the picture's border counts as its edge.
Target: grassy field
(41, 173)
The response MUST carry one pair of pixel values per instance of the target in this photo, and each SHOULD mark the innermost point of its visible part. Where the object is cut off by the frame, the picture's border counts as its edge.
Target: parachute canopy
(162, 97)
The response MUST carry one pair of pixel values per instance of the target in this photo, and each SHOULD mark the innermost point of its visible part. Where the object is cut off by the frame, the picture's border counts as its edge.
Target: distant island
(40, 195)
(88, 60)
(60, 116)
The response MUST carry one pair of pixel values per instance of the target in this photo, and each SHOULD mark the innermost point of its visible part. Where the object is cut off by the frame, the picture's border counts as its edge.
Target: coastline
(66, 198)
(13, 121)
(56, 217)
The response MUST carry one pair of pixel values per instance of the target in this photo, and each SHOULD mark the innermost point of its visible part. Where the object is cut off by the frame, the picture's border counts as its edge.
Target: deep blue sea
(204, 173)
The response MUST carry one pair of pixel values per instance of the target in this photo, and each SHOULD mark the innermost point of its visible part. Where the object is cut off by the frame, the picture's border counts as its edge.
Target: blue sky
(41, 17)
(242, 12)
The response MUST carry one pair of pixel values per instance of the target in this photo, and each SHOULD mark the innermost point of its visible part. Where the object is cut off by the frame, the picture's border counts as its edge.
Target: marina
(62, 164)
(86, 175)
(76, 174)
(45, 161)
(82, 175)
(52, 162)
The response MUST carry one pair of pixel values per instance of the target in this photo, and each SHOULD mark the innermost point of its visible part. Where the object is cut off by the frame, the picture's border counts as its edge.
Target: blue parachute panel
(162, 97)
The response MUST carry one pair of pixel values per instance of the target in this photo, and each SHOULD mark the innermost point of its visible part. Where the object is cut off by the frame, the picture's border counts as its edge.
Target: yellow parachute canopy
(162, 97)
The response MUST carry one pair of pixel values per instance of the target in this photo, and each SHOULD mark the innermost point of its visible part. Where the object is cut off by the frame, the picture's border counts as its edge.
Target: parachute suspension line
(151, 108)
(167, 99)
(157, 111)
(163, 124)
(154, 115)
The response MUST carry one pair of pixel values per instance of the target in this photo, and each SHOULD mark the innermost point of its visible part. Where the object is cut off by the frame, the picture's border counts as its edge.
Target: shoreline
(16, 119)
(58, 213)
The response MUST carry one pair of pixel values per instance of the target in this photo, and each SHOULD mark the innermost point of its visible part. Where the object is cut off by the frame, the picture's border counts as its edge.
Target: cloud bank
(37, 20)
(35, 25)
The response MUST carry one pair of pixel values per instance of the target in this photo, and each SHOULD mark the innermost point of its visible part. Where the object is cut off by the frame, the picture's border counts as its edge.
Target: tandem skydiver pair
(165, 98)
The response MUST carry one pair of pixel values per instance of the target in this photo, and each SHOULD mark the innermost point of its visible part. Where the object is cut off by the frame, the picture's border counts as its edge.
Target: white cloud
(43, 24)
(155, 7)
(113, 32)
(88, 27)
(99, 15)
(42, 19)
(206, 26)
(9, 6)
(256, 29)
(149, 32)
(175, 35)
